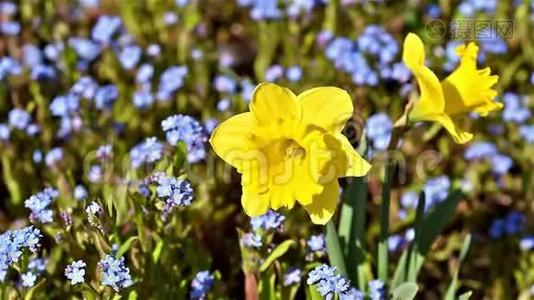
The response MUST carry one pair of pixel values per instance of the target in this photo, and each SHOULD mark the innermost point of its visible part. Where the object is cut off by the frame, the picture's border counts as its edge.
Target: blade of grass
(335, 255)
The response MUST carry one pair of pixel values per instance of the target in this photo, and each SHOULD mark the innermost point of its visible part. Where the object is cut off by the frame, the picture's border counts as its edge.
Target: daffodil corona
(465, 90)
(290, 149)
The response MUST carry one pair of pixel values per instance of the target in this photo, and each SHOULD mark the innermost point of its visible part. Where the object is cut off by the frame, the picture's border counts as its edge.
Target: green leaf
(313, 294)
(405, 291)
(335, 255)
(267, 287)
(383, 260)
(125, 247)
(427, 230)
(157, 251)
(465, 296)
(453, 286)
(9, 179)
(276, 253)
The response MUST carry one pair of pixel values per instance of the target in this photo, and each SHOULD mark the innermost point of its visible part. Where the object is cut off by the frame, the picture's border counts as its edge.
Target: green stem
(389, 166)
(335, 255)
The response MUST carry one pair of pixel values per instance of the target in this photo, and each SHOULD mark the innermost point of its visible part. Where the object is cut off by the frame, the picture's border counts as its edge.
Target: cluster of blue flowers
(18, 119)
(190, 131)
(436, 190)
(271, 220)
(511, 224)
(356, 56)
(39, 205)
(292, 276)
(201, 284)
(75, 272)
(146, 152)
(329, 282)
(378, 129)
(12, 245)
(270, 10)
(175, 192)
(500, 163)
(251, 240)
(115, 273)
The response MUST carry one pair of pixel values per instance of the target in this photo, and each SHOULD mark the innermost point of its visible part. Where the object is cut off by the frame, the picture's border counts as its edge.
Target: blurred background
(79, 75)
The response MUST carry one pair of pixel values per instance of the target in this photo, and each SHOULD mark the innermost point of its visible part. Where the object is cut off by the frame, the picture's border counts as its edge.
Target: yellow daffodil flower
(465, 90)
(290, 148)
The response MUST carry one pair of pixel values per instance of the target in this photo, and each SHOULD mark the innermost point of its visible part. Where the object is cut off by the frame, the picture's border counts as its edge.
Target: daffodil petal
(272, 103)
(431, 98)
(281, 196)
(468, 89)
(327, 107)
(356, 165)
(232, 139)
(458, 135)
(323, 205)
(255, 202)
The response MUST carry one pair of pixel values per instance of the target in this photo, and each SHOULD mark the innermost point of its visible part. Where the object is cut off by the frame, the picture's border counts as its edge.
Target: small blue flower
(104, 29)
(170, 18)
(262, 9)
(224, 84)
(273, 73)
(515, 109)
(8, 8)
(105, 96)
(31, 55)
(5, 132)
(377, 290)
(527, 243)
(526, 132)
(75, 272)
(153, 50)
(436, 190)
(501, 164)
(39, 205)
(19, 118)
(511, 224)
(294, 73)
(201, 284)
(142, 97)
(292, 276)
(86, 49)
(28, 279)
(37, 156)
(148, 151)
(247, 88)
(144, 73)
(271, 220)
(170, 81)
(129, 57)
(115, 273)
(223, 104)
(53, 157)
(470, 7)
(175, 192)
(64, 106)
(409, 199)
(378, 128)
(85, 87)
(80, 192)
(316, 243)
(251, 240)
(479, 150)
